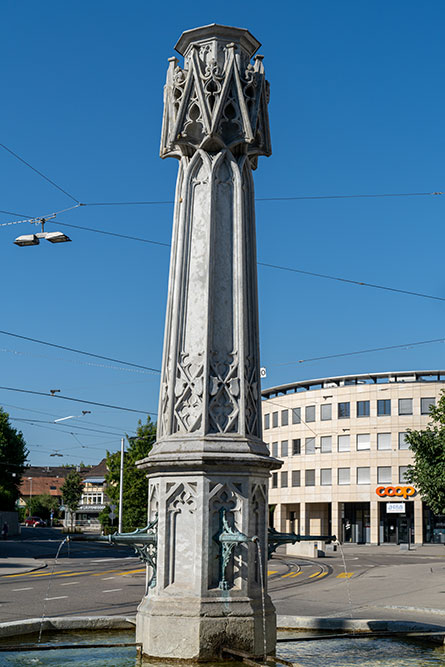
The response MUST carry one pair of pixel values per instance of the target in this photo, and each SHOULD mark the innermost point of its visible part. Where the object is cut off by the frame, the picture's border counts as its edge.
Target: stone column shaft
(209, 455)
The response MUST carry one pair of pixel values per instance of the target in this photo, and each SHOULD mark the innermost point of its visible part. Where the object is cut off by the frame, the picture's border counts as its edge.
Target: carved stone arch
(181, 528)
(153, 502)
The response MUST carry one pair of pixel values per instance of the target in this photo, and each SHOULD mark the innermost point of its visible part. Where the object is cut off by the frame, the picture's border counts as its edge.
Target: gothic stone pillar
(209, 453)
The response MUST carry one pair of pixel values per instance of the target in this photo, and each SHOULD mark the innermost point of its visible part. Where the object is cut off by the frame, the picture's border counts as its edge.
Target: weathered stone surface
(209, 455)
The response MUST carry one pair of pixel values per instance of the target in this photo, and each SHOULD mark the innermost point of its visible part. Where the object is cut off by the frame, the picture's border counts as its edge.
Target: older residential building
(344, 452)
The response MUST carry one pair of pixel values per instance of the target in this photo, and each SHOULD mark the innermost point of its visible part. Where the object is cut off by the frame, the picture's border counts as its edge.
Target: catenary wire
(350, 354)
(82, 428)
(325, 276)
(296, 198)
(78, 400)
(352, 282)
(72, 349)
(40, 173)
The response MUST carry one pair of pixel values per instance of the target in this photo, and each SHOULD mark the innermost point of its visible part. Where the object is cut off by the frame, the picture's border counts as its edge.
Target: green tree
(13, 457)
(42, 505)
(72, 490)
(427, 472)
(134, 514)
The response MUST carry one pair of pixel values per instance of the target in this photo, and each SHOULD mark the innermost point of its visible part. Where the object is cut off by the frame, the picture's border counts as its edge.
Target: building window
(362, 408)
(326, 412)
(325, 477)
(310, 413)
(383, 407)
(274, 419)
(344, 410)
(405, 406)
(296, 478)
(266, 422)
(275, 449)
(363, 476)
(309, 447)
(383, 440)
(344, 443)
(296, 447)
(296, 415)
(402, 472)
(363, 441)
(326, 444)
(309, 477)
(403, 442)
(384, 475)
(274, 480)
(344, 476)
(284, 479)
(284, 449)
(425, 404)
(284, 417)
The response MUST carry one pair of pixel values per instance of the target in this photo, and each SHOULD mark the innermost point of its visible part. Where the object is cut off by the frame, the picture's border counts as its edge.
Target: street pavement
(94, 579)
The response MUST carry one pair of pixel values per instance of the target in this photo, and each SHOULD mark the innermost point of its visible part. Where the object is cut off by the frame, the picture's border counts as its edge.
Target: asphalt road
(93, 579)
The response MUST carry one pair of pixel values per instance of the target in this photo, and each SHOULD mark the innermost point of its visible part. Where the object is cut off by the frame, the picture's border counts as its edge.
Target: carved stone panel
(181, 536)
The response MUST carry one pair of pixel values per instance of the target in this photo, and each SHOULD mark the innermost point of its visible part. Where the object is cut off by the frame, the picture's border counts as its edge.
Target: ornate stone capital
(219, 98)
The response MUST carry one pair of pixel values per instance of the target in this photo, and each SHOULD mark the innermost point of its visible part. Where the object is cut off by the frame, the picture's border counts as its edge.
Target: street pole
(121, 487)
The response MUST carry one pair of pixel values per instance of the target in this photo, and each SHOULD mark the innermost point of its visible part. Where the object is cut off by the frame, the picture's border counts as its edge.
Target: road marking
(70, 583)
(322, 574)
(289, 574)
(99, 574)
(107, 560)
(297, 574)
(75, 574)
(141, 569)
(29, 588)
(345, 575)
(112, 590)
(269, 572)
(47, 574)
(59, 597)
(316, 574)
(105, 578)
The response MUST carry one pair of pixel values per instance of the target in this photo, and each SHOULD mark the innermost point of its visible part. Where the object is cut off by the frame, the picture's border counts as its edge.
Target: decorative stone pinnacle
(219, 98)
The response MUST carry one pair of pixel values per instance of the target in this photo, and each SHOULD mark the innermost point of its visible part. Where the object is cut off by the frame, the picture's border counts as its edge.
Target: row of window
(362, 442)
(405, 407)
(362, 476)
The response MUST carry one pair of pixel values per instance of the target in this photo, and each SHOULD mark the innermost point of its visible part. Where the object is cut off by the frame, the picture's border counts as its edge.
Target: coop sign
(395, 491)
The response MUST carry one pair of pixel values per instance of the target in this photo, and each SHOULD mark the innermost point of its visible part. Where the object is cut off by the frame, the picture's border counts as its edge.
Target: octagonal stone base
(184, 629)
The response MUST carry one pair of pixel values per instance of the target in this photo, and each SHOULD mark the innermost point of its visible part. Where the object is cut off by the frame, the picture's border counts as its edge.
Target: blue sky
(356, 107)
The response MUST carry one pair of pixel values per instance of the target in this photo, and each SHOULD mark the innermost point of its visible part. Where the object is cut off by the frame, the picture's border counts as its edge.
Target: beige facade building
(342, 443)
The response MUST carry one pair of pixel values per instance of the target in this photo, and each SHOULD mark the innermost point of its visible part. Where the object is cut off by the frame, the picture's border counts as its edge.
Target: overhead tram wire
(40, 173)
(78, 400)
(77, 351)
(325, 276)
(350, 354)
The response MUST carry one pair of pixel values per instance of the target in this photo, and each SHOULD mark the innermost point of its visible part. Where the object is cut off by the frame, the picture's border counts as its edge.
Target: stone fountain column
(209, 454)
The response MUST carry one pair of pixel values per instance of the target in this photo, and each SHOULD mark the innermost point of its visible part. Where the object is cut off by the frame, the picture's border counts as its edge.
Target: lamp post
(30, 494)
(121, 487)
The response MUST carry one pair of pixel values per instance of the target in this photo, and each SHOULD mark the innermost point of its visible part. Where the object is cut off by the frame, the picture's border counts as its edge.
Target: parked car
(34, 521)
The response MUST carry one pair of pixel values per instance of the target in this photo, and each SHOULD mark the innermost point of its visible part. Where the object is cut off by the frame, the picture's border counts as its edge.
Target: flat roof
(362, 378)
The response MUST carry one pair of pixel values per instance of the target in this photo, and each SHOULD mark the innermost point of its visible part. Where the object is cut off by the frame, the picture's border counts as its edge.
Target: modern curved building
(342, 443)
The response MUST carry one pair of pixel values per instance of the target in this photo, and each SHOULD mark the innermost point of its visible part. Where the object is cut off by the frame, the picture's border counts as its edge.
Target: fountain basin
(305, 641)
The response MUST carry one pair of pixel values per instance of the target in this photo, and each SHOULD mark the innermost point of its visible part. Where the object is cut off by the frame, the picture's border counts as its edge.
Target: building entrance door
(397, 528)
(356, 525)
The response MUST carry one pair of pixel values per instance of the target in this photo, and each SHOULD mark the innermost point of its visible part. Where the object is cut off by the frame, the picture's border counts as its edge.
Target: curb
(349, 624)
(32, 625)
(17, 571)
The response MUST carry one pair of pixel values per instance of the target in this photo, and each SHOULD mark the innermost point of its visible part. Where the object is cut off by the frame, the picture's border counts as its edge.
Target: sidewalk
(15, 566)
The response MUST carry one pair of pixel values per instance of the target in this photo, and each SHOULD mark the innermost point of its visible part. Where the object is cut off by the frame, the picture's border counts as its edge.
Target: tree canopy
(135, 488)
(72, 490)
(427, 473)
(13, 457)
